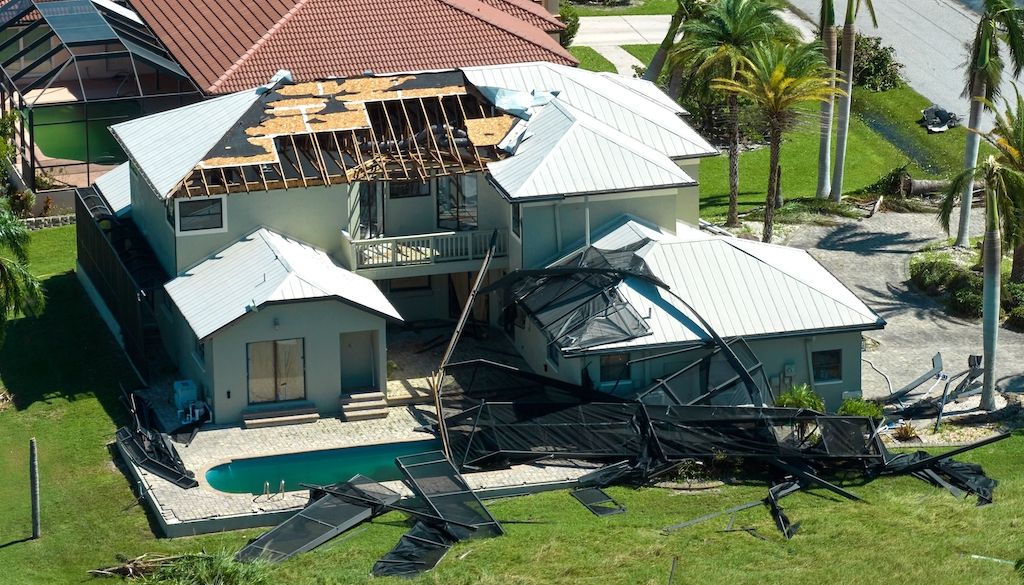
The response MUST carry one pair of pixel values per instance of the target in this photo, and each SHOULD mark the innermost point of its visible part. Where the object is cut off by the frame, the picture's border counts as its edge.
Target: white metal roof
(742, 288)
(647, 90)
(264, 267)
(165, 147)
(116, 187)
(567, 152)
(619, 104)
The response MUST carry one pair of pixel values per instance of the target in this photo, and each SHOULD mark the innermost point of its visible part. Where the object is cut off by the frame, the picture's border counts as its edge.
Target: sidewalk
(607, 35)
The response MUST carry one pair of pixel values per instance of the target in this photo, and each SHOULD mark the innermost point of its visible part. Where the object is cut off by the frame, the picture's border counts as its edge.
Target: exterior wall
(787, 362)
(150, 216)
(315, 215)
(180, 342)
(320, 324)
(420, 305)
(557, 227)
(407, 216)
(688, 200)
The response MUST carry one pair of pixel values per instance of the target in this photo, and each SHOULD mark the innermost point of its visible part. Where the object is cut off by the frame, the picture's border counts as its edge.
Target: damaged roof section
(392, 128)
(639, 288)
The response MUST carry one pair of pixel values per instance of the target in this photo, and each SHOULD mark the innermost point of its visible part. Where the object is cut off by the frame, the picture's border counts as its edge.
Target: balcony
(424, 254)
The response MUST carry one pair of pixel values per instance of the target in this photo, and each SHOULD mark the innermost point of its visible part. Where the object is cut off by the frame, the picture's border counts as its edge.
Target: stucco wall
(150, 216)
(556, 227)
(774, 353)
(315, 215)
(180, 343)
(319, 323)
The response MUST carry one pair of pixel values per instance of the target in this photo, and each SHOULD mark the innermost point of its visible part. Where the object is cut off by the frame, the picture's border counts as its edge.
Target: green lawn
(635, 7)
(591, 60)
(883, 135)
(63, 369)
(644, 53)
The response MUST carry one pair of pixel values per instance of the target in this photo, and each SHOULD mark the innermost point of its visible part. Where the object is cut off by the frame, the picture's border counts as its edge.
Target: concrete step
(277, 421)
(362, 397)
(361, 406)
(351, 416)
(407, 396)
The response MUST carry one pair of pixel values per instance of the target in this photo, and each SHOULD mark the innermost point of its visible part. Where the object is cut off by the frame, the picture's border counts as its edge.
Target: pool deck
(181, 512)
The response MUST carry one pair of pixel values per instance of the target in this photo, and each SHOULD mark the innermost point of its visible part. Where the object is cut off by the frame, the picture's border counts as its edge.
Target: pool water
(314, 467)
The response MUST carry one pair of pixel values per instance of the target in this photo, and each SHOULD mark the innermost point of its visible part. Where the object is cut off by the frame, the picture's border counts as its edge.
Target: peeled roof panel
(166, 147)
(262, 267)
(613, 102)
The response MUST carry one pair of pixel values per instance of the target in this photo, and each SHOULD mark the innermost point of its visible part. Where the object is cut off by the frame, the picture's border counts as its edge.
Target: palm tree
(778, 78)
(20, 292)
(717, 43)
(1007, 138)
(684, 9)
(849, 43)
(1002, 185)
(1000, 23)
(827, 28)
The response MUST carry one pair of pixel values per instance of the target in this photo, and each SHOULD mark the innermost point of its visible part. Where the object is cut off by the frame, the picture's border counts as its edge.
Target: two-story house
(282, 227)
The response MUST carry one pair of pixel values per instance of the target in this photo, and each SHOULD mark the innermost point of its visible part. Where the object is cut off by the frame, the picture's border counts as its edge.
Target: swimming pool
(314, 467)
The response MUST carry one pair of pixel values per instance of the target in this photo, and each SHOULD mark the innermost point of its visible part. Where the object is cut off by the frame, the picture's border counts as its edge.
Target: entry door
(358, 363)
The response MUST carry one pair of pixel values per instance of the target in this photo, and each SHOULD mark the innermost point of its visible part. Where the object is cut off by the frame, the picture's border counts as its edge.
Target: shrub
(965, 290)
(905, 432)
(22, 202)
(875, 66)
(932, 272)
(801, 396)
(571, 20)
(860, 407)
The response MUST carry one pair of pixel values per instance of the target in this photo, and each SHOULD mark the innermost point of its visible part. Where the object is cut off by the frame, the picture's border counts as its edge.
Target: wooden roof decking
(393, 128)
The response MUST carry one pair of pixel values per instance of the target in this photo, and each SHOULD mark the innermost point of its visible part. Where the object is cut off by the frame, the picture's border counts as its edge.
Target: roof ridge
(791, 277)
(256, 46)
(483, 7)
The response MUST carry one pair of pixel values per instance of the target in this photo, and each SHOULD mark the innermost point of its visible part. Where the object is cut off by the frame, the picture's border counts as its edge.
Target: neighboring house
(627, 331)
(75, 67)
(286, 224)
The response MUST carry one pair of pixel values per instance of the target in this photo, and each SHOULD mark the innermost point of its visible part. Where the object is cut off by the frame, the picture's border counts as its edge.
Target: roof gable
(265, 267)
(165, 147)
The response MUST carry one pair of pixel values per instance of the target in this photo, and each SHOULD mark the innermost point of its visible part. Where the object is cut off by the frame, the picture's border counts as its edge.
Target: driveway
(929, 38)
(871, 257)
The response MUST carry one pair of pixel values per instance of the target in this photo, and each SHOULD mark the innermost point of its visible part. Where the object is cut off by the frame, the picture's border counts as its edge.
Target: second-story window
(200, 214)
(401, 189)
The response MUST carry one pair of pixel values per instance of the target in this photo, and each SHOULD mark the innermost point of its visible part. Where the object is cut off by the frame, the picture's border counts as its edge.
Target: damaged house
(267, 238)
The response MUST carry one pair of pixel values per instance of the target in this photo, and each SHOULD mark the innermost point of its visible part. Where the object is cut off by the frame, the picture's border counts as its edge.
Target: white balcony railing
(421, 249)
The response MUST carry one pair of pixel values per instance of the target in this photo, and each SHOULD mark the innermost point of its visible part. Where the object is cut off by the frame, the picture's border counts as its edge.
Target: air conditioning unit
(185, 393)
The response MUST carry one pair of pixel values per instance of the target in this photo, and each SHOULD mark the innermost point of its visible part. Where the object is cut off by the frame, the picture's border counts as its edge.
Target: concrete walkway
(607, 35)
(871, 257)
(929, 37)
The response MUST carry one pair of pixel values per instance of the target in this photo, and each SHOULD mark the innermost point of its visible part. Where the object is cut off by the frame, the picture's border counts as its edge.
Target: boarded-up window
(277, 370)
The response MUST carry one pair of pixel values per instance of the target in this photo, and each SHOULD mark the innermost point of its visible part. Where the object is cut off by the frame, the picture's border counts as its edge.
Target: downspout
(558, 225)
(586, 218)
(807, 356)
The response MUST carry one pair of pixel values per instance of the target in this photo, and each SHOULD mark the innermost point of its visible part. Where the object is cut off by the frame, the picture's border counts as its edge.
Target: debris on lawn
(137, 567)
(6, 400)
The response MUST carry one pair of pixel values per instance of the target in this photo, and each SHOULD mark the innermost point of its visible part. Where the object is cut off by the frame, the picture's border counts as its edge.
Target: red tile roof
(230, 45)
(529, 11)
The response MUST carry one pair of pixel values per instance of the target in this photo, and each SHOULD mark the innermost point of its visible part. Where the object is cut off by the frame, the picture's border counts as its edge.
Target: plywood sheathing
(489, 131)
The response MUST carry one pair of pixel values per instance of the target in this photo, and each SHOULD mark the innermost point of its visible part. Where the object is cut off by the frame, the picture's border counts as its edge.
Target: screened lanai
(71, 68)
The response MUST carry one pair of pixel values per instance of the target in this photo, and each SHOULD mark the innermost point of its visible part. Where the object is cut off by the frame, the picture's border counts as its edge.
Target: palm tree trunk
(1017, 268)
(963, 231)
(775, 146)
(675, 84)
(734, 160)
(828, 39)
(661, 55)
(849, 41)
(990, 297)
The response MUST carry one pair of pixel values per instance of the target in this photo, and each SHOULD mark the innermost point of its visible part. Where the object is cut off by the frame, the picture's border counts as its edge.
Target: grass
(883, 135)
(63, 369)
(591, 60)
(634, 7)
(643, 53)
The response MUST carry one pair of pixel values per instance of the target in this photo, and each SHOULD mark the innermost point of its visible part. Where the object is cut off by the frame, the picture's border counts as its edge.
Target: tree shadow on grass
(65, 353)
